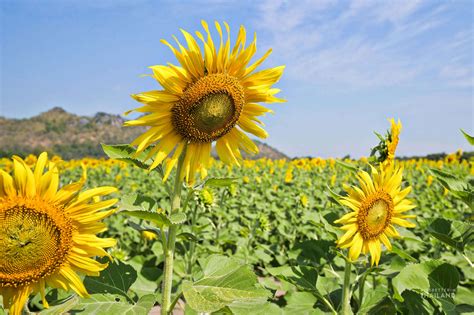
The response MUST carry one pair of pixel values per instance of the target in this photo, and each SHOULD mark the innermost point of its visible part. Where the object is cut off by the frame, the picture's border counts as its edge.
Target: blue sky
(351, 65)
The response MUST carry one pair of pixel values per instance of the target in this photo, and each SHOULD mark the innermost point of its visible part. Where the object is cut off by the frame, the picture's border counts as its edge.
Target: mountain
(72, 136)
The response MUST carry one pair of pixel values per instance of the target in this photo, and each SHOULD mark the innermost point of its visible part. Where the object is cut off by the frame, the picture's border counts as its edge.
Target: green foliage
(117, 279)
(157, 218)
(432, 279)
(462, 189)
(456, 234)
(101, 304)
(261, 233)
(127, 153)
(226, 282)
(468, 137)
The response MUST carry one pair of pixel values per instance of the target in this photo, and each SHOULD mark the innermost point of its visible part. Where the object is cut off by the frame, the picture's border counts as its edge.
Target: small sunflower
(378, 205)
(211, 97)
(392, 141)
(47, 233)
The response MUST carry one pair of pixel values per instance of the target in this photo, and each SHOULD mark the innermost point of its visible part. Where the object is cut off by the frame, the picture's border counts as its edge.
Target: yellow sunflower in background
(392, 141)
(377, 206)
(47, 233)
(211, 97)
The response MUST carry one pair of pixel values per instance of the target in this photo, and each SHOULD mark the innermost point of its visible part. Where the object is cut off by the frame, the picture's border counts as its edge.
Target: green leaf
(463, 300)
(241, 308)
(115, 279)
(403, 254)
(224, 283)
(138, 202)
(348, 166)
(62, 308)
(148, 273)
(469, 138)
(443, 283)
(456, 234)
(333, 196)
(140, 228)
(449, 181)
(100, 304)
(432, 279)
(126, 153)
(177, 218)
(385, 306)
(300, 303)
(187, 236)
(371, 299)
(414, 277)
(458, 187)
(158, 218)
(219, 182)
(414, 303)
(303, 277)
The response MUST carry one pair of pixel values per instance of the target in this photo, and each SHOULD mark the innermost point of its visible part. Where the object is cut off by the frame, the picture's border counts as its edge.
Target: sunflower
(392, 141)
(211, 97)
(377, 206)
(47, 233)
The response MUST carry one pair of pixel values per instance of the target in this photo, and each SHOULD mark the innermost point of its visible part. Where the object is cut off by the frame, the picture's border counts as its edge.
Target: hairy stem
(170, 246)
(346, 290)
(192, 245)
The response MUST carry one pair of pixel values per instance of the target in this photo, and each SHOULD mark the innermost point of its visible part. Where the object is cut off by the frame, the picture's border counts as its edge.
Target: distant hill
(72, 136)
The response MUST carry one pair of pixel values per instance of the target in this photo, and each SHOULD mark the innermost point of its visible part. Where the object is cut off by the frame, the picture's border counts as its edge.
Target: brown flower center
(375, 215)
(35, 239)
(209, 108)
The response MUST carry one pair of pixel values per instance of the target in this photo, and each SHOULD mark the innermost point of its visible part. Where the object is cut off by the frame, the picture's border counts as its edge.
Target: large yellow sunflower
(377, 206)
(47, 233)
(212, 96)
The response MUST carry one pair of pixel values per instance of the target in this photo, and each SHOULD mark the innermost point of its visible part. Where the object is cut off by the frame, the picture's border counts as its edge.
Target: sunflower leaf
(99, 304)
(226, 282)
(159, 219)
(216, 182)
(456, 234)
(468, 137)
(177, 218)
(117, 278)
(303, 277)
(348, 166)
(138, 202)
(62, 308)
(126, 153)
(461, 189)
(433, 279)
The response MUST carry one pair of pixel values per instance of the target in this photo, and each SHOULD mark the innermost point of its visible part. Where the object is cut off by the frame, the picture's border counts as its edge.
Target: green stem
(170, 246)
(219, 218)
(468, 260)
(192, 245)
(346, 290)
(176, 299)
(326, 302)
(250, 239)
(361, 287)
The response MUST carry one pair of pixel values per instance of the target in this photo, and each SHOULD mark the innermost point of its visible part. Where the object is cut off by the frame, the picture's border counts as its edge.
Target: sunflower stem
(192, 246)
(171, 240)
(362, 285)
(346, 290)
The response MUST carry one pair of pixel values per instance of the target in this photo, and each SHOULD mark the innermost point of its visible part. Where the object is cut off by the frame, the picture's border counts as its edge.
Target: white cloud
(365, 43)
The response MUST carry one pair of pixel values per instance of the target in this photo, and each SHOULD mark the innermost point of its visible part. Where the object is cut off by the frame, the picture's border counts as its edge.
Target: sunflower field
(268, 238)
(162, 226)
